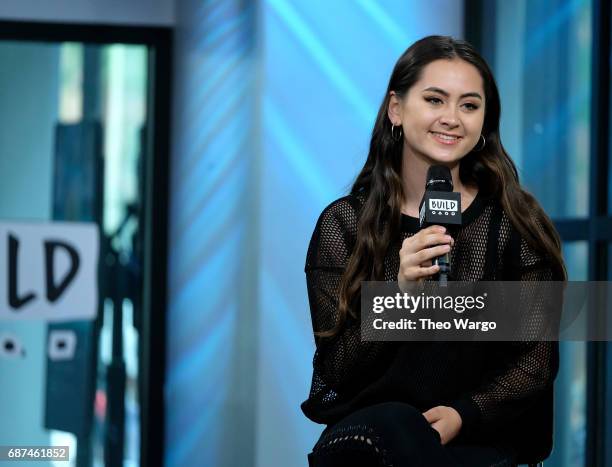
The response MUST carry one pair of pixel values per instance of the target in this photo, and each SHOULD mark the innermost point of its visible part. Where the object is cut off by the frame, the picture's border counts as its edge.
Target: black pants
(398, 435)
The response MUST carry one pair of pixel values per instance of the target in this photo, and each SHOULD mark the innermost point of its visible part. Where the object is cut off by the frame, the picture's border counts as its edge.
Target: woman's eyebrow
(444, 93)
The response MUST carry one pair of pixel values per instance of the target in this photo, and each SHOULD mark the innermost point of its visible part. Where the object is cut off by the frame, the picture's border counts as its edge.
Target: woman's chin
(445, 157)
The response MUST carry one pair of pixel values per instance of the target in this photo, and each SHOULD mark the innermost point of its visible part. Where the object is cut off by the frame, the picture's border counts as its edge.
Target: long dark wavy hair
(380, 182)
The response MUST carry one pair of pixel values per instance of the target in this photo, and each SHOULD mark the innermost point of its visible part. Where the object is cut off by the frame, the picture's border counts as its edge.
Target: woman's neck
(414, 173)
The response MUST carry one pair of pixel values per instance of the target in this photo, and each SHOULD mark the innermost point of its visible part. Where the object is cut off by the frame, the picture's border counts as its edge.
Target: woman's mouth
(445, 139)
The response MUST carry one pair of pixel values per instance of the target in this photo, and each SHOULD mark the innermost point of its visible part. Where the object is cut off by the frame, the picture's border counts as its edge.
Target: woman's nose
(449, 118)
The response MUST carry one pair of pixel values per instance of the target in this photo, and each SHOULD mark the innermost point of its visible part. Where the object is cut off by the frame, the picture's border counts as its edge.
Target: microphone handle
(445, 269)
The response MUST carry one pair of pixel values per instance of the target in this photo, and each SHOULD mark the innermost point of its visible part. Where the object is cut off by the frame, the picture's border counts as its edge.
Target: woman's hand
(445, 420)
(418, 251)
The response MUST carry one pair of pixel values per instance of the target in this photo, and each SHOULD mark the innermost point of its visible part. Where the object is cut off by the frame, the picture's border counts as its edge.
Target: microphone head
(439, 179)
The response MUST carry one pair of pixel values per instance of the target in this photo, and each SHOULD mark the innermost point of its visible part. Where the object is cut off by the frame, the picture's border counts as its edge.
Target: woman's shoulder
(342, 213)
(524, 240)
(335, 233)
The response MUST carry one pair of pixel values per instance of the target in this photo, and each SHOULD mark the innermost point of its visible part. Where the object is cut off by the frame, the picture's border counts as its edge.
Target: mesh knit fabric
(502, 390)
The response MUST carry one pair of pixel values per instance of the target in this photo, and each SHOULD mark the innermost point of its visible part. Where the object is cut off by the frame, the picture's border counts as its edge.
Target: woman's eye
(436, 101)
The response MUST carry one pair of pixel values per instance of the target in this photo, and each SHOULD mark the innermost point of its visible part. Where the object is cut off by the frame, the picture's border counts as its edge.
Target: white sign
(62, 344)
(48, 271)
(443, 205)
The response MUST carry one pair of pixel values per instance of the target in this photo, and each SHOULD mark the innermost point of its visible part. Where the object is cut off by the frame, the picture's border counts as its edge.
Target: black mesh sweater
(502, 390)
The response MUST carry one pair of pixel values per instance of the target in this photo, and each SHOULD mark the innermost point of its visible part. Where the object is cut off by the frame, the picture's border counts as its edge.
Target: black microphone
(440, 206)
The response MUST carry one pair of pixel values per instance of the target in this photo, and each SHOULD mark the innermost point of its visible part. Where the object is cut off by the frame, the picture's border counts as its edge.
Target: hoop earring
(484, 142)
(399, 133)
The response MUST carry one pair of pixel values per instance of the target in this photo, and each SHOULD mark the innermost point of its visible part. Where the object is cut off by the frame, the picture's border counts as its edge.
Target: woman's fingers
(418, 242)
(422, 273)
(416, 273)
(426, 252)
(432, 229)
(434, 239)
(433, 414)
(439, 427)
(418, 251)
(430, 253)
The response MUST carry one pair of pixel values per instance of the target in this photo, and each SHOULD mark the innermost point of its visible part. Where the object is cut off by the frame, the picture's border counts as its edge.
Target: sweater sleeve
(341, 364)
(524, 369)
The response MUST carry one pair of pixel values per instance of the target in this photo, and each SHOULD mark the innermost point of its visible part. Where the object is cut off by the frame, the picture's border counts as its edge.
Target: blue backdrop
(274, 105)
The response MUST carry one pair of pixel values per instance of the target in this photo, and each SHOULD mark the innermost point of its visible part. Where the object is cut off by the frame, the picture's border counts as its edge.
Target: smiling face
(443, 112)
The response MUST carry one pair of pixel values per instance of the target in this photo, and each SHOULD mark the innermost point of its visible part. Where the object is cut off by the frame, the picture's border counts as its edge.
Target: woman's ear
(394, 109)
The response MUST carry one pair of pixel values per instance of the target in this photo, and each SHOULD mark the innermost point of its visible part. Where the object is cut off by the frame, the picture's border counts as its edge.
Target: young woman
(430, 403)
